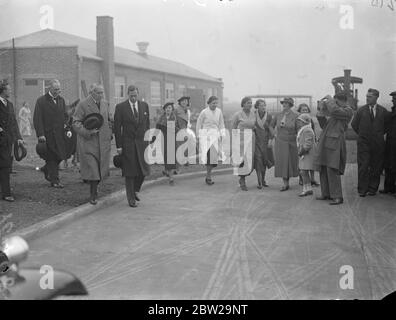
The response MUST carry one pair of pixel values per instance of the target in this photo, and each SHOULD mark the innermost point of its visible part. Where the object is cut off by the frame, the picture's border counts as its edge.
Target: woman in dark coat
(286, 158)
(263, 157)
(168, 118)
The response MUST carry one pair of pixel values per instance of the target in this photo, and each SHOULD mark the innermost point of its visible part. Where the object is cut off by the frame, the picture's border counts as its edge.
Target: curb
(46, 226)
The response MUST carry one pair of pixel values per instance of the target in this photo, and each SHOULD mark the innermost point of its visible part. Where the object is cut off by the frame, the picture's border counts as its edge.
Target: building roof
(87, 48)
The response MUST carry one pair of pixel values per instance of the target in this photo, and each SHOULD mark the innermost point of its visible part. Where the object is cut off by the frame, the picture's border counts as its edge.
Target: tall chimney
(142, 46)
(105, 50)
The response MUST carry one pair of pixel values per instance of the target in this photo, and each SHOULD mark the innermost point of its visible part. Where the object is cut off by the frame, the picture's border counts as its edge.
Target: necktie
(135, 112)
(372, 113)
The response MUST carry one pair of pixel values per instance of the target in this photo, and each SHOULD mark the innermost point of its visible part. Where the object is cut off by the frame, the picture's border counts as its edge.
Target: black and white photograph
(215, 151)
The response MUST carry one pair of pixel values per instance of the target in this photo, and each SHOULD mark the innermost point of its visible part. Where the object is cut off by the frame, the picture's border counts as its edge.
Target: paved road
(193, 241)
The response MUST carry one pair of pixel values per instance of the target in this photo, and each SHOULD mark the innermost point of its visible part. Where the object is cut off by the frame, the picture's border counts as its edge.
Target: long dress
(162, 124)
(244, 159)
(263, 156)
(286, 154)
(210, 129)
(24, 121)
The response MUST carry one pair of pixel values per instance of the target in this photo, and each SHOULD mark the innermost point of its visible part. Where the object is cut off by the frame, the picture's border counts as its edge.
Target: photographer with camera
(333, 115)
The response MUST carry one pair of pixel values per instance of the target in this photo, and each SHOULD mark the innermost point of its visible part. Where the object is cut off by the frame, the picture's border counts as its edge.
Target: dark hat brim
(20, 152)
(183, 98)
(93, 121)
(117, 161)
(41, 150)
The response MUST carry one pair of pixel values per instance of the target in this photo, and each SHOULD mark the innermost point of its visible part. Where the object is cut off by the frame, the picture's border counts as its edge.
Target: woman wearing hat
(182, 111)
(304, 108)
(91, 122)
(286, 158)
(263, 157)
(210, 129)
(306, 147)
(168, 121)
(244, 120)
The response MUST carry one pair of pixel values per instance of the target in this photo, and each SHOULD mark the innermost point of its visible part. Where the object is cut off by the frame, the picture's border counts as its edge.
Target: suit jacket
(129, 135)
(9, 135)
(93, 150)
(49, 120)
(390, 144)
(370, 132)
(331, 150)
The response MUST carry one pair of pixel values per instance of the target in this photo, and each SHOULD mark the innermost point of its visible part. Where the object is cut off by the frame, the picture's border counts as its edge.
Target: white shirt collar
(49, 92)
(3, 100)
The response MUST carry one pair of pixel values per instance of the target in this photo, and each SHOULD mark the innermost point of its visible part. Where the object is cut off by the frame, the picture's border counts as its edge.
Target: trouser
(306, 180)
(330, 182)
(369, 169)
(52, 169)
(132, 185)
(5, 181)
(390, 181)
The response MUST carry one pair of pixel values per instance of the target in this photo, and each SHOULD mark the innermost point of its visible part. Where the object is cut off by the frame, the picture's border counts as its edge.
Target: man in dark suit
(49, 119)
(370, 123)
(131, 121)
(390, 151)
(333, 116)
(9, 134)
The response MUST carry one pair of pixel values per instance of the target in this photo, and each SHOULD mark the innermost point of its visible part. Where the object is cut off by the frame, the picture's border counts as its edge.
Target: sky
(255, 46)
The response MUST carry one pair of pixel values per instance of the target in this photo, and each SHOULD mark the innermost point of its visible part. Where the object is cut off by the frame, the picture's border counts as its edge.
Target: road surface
(193, 241)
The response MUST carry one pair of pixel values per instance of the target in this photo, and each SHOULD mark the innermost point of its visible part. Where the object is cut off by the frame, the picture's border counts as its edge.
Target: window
(169, 91)
(182, 88)
(191, 87)
(155, 93)
(210, 92)
(119, 89)
(215, 93)
(31, 82)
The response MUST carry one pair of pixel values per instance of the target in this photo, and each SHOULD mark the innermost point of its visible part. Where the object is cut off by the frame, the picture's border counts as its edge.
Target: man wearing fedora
(49, 118)
(91, 121)
(9, 134)
(370, 122)
(131, 121)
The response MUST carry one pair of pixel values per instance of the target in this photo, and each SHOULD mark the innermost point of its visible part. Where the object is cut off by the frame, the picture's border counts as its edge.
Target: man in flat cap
(370, 123)
(390, 151)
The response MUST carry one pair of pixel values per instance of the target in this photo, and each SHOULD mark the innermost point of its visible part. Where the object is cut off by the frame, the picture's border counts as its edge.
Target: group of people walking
(287, 140)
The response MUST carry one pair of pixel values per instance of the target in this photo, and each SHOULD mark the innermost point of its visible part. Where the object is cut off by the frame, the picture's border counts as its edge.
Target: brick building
(32, 60)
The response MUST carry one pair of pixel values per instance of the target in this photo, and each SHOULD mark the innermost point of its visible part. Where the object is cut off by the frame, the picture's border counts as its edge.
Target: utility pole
(14, 71)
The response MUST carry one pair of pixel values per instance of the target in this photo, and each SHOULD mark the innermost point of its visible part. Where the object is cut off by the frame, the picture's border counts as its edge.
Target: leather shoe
(383, 191)
(372, 193)
(136, 197)
(337, 201)
(362, 194)
(284, 188)
(132, 204)
(93, 201)
(9, 198)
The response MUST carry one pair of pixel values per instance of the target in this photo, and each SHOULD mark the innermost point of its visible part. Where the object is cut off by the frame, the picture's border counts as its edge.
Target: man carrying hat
(9, 134)
(370, 123)
(390, 151)
(49, 119)
(91, 121)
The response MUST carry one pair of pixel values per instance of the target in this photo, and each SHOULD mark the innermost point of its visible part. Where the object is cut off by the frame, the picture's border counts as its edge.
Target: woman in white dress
(210, 130)
(24, 116)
